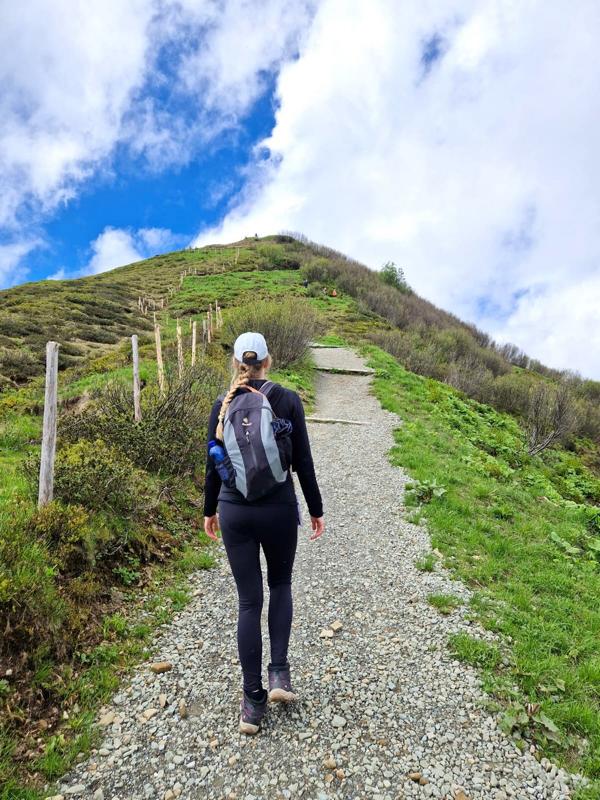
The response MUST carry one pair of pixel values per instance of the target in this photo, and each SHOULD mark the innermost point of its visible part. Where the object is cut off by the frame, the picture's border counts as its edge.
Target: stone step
(332, 421)
(345, 370)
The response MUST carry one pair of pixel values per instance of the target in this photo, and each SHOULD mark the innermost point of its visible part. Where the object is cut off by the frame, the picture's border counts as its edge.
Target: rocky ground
(384, 712)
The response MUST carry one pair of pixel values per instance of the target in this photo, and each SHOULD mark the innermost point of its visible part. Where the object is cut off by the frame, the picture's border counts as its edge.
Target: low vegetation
(288, 326)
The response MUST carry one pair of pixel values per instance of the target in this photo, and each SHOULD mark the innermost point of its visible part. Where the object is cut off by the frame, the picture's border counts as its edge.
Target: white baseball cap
(250, 342)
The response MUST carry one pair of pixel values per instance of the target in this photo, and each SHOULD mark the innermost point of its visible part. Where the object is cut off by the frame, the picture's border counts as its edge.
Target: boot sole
(281, 696)
(248, 728)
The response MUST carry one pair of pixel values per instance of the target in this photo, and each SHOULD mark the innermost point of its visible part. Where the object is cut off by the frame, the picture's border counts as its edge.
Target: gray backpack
(260, 461)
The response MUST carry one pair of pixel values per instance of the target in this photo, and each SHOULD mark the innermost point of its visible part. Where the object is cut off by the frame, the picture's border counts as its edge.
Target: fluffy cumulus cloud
(116, 247)
(456, 138)
(80, 79)
(113, 248)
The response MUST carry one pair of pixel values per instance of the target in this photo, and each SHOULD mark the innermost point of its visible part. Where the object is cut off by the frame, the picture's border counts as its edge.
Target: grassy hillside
(87, 314)
(523, 531)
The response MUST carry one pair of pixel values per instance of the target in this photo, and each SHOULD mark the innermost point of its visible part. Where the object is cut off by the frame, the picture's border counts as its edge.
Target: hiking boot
(280, 685)
(252, 712)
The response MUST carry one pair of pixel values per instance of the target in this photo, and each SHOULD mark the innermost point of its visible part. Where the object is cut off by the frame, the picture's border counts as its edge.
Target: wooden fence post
(46, 484)
(179, 350)
(137, 410)
(208, 331)
(159, 360)
(193, 342)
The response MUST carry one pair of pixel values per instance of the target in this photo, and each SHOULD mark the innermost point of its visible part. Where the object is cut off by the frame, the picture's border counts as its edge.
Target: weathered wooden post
(46, 484)
(193, 342)
(159, 360)
(137, 409)
(179, 350)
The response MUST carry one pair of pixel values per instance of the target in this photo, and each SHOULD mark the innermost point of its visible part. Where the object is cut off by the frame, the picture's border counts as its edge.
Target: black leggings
(244, 529)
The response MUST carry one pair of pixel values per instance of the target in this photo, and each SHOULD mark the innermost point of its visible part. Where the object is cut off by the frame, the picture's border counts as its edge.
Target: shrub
(550, 417)
(394, 276)
(316, 269)
(74, 539)
(31, 609)
(170, 436)
(273, 257)
(288, 327)
(95, 475)
(470, 376)
(99, 477)
(511, 393)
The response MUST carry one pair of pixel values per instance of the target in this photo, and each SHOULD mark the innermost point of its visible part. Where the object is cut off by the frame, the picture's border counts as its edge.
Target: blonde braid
(241, 378)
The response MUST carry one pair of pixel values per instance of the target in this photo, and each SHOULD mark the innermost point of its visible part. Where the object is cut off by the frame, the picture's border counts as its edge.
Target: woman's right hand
(211, 526)
(318, 526)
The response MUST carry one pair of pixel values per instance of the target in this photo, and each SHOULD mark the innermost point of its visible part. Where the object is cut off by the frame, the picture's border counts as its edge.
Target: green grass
(508, 527)
(426, 564)
(445, 603)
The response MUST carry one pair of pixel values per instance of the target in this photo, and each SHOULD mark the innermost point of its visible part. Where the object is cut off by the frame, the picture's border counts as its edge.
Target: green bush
(95, 475)
(74, 539)
(170, 436)
(273, 257)
(99, 477)
(394, 276)
(31, 609)
(288, 326)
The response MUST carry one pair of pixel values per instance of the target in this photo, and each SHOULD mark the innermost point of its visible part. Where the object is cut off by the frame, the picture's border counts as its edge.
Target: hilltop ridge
(91, 315)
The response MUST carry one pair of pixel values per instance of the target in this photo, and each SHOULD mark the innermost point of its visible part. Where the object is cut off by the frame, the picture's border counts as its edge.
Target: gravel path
(380, 699)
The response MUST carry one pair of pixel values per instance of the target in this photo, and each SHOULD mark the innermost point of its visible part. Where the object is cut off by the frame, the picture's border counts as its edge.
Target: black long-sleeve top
(287, 405)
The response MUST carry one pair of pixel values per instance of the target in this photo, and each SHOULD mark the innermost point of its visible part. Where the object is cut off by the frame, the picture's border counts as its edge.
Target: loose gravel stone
(379, 700)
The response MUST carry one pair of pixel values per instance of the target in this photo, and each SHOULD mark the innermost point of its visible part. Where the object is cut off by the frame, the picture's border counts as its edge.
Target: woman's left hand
(211, 526)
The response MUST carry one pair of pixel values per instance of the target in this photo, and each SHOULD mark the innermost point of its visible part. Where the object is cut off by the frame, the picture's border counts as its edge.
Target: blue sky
(129, 196)
(456, 138)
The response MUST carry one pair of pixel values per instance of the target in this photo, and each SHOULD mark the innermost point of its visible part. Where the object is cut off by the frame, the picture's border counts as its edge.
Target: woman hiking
(250, 518)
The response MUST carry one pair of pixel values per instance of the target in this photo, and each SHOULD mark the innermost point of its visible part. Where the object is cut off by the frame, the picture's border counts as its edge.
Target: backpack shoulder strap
(266, 388)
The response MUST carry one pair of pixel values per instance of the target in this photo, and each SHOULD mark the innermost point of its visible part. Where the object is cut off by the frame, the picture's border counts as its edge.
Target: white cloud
(11, 256)
(478, 172)
(67, 74)
(116, 247)
(156, 238)
(247, 39)
(60, 275)
(113, 248)
(159, 77)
